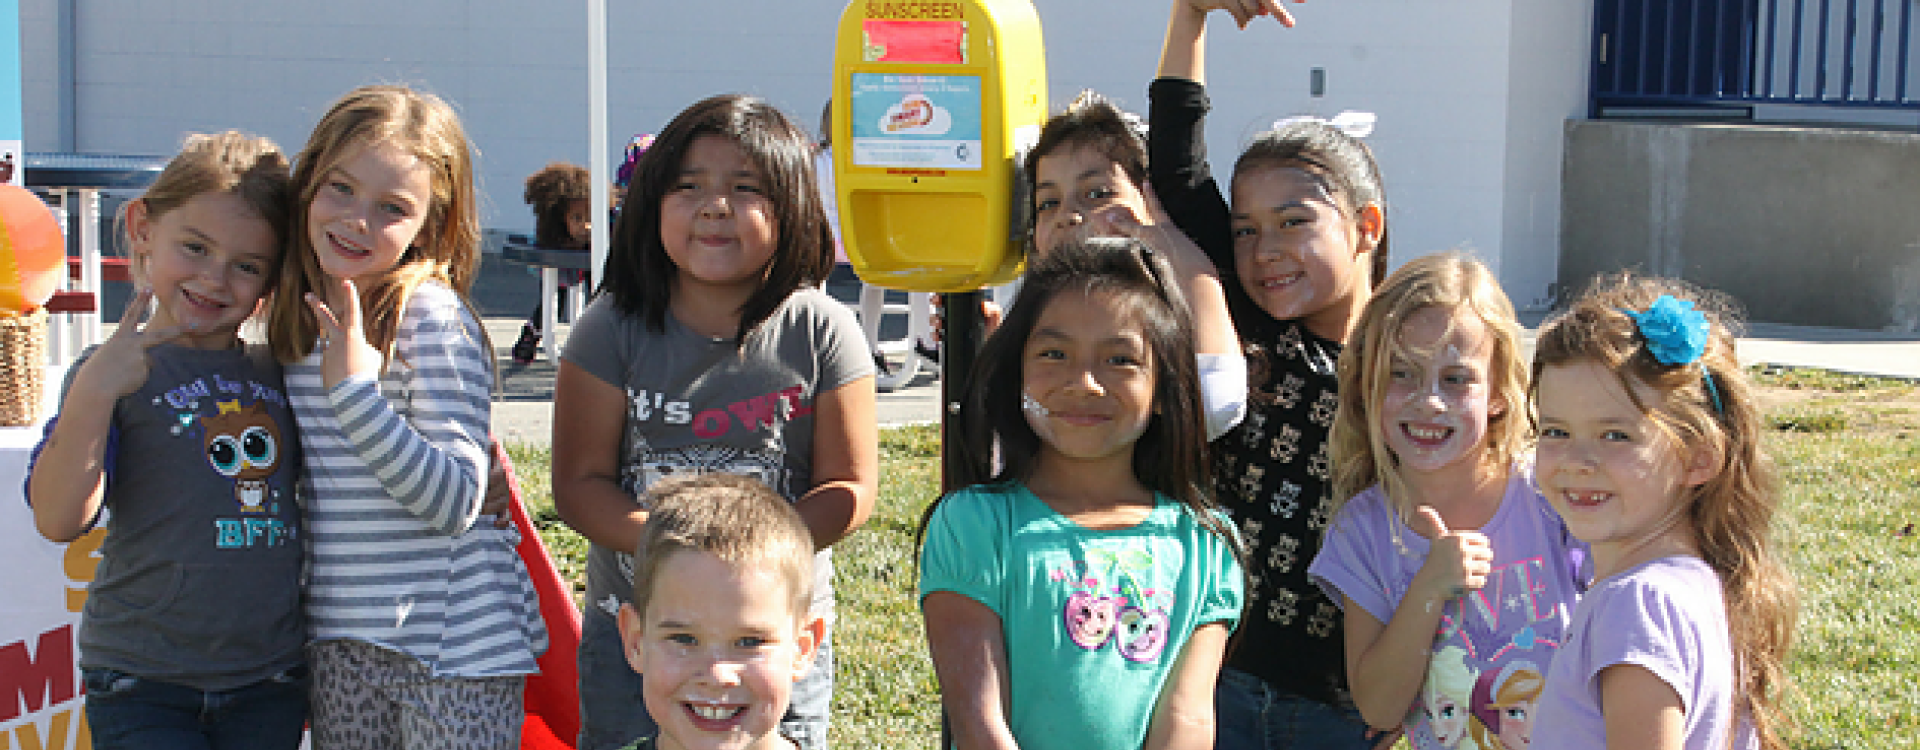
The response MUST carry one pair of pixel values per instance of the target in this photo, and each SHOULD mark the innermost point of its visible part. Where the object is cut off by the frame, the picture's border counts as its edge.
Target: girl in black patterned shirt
(1300, 251)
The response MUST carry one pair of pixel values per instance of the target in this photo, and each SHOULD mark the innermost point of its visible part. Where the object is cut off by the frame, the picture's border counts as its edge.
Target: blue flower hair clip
(1676, 334)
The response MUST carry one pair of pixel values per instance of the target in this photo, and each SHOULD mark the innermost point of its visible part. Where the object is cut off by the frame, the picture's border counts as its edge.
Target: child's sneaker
(528, 345)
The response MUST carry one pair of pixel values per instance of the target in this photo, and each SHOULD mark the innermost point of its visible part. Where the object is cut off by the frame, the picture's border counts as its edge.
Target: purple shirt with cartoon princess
(1494, 646)
(1665, 615)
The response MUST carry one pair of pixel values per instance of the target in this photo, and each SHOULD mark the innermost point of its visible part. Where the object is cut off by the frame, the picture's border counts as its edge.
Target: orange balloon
(33, 251)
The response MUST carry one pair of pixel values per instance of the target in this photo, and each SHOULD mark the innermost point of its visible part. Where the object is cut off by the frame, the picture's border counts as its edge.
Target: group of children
(1225, 481)
(299, 530)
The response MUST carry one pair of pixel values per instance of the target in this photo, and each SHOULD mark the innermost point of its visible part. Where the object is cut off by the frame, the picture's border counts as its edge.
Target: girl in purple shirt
(1454, 576)
(1650, 448)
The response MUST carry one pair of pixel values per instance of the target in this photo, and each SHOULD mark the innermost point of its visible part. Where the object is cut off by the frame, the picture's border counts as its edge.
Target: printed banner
(912, 121)
(40, 696)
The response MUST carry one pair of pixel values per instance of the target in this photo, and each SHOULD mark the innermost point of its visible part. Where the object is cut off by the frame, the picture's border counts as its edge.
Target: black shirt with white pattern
(1272, 472)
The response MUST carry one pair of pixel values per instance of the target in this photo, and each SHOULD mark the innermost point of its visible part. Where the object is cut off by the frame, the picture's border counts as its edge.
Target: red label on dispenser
(914, 41)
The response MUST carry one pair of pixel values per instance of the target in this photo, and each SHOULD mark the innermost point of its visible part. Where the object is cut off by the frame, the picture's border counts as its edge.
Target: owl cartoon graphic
(243, 445)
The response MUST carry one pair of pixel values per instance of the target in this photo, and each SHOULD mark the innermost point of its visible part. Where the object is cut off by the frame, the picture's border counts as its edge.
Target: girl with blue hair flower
(1649, 446)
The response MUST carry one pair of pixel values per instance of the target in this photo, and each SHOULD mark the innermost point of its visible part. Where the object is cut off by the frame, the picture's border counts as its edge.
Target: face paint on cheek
(1032, 407)
(1037, 414)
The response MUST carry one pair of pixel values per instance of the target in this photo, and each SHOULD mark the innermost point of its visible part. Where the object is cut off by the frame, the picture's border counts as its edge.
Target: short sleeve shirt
(1666, 615)
(697, 404)
(1494, 646)
(1093, 619)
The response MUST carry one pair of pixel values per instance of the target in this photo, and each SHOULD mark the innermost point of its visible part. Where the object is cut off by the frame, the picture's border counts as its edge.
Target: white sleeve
(1223, 391)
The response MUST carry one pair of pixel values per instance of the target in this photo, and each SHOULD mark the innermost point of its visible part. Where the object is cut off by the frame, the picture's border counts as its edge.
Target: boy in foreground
(720, 625)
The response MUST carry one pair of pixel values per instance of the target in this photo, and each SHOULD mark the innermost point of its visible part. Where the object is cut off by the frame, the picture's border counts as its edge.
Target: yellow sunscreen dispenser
(932, 99)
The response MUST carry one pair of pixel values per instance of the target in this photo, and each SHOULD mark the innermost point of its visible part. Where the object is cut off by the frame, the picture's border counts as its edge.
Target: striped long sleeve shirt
(397, 471)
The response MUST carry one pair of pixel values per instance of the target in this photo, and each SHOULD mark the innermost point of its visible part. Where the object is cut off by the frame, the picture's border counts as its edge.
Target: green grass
(1848, 449)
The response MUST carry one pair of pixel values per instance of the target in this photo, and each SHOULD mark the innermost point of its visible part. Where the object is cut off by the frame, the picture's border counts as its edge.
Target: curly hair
(551, 191)
(1704, 404)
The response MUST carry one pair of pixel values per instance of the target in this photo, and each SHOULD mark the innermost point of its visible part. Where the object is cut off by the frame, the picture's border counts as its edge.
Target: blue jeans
(613, 713)
(126, 711)
(1254, 716)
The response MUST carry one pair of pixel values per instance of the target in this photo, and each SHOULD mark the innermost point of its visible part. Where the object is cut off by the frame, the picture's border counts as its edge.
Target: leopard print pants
(367, 697)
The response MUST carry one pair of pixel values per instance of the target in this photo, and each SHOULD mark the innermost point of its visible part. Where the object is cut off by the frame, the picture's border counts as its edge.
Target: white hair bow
(1354, 124)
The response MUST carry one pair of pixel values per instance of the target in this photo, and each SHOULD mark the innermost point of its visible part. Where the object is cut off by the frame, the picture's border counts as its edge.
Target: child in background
(192, 631)
(562, 198)
(872, 298)
(1445, 554)
(1650, 448)
(1300, 251)
(424, 621)
(721, 621)
(1087, 177)
(1080, 596)
(711, 348)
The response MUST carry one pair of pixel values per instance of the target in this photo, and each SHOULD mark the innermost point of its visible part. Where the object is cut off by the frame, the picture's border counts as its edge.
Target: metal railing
(1704, 54)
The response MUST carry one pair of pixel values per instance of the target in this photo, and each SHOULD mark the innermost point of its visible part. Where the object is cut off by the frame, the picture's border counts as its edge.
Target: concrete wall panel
(1804, 226)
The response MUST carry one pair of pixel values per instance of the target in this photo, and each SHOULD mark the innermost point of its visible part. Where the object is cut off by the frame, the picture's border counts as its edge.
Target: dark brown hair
(640, 274)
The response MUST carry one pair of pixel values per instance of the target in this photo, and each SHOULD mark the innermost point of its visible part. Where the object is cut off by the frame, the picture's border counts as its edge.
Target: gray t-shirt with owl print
(199, 578)
(696, 404)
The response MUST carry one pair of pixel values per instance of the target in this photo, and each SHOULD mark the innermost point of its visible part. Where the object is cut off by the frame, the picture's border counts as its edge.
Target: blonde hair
(1449, 281)
(1517, 682)
(1708, 405)
(248, 166)
(448, 246)
(735, 518)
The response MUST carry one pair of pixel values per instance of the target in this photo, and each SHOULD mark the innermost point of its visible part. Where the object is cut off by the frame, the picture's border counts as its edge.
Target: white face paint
(1030, 406)
(1087, 379)
(1297, 250)
(1438, 397)
(1037, 414)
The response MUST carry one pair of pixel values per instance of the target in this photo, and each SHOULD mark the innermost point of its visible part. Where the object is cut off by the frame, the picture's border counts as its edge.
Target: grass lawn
(1848, 450)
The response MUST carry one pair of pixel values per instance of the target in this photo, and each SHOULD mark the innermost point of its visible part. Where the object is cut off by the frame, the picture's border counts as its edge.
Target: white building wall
(1470, 94)
(1551, 43)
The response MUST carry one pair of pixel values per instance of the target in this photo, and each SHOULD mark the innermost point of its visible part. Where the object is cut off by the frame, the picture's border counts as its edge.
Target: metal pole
(965, 329)
(597, 140)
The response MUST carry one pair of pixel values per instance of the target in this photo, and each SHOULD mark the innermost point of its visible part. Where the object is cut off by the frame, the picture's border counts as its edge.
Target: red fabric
(552, 696)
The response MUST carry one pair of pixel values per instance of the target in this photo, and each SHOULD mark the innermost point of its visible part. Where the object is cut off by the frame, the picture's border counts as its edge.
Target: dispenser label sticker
(938, 42)
(925, 122)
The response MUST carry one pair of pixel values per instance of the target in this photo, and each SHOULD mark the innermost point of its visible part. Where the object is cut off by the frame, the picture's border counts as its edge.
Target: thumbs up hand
(1457, 562)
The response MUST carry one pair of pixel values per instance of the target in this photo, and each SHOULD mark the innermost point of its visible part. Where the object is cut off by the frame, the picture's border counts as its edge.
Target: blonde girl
(712, 348)
(1443, 547)
(1079, 593)
(180, 431)
(1650, 447)
(424, 622)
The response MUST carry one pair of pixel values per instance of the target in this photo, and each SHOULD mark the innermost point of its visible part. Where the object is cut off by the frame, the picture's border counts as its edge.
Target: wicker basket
(23, 362)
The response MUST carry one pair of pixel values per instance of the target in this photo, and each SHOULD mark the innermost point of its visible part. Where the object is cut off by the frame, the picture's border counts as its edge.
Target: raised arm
(433, 460)
(68, 480)
(1183, 53)
(1183, 717)
(970, 659)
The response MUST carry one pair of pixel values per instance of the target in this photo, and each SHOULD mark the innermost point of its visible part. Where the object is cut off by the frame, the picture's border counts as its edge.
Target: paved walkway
(525, 411)
(506, 293)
